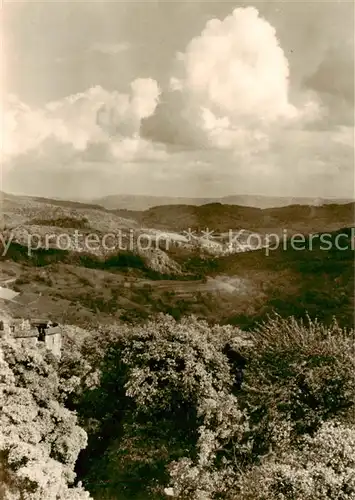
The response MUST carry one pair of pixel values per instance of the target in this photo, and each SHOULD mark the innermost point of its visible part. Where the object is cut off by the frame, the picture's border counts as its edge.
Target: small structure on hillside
(30, 331)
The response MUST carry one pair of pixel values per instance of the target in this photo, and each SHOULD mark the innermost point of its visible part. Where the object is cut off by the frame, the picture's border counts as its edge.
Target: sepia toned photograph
(177, 237)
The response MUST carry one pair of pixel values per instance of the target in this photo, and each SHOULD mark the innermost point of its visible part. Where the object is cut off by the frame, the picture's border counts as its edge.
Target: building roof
(33, 332)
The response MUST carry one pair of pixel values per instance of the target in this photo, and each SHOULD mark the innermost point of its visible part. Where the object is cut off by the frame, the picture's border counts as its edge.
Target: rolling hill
(221, 218)
(141, 202)
(240, 288)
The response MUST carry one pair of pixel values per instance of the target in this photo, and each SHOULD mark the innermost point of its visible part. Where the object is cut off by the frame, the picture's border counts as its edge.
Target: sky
(188, 98)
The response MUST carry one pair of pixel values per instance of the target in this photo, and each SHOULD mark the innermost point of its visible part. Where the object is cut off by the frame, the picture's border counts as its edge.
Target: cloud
(233, 84)
(335, 73)
(237, 69)
(227, 123)
(111, 49)
(333, 80)
(297, 163)
(345, 135)
(95, 120)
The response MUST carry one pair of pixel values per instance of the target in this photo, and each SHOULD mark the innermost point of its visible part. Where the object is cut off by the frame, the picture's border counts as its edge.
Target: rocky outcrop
(157, 260)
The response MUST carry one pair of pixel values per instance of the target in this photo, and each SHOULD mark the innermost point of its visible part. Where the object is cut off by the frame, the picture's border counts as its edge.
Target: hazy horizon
(167, 197)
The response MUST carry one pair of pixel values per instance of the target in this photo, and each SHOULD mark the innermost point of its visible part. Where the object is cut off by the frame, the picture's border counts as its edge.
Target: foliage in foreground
(39, 438)
(162, 409)
(165, 413)
(321, 467)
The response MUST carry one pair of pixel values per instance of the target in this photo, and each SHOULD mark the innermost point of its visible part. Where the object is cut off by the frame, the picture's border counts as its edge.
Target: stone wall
(53, 341)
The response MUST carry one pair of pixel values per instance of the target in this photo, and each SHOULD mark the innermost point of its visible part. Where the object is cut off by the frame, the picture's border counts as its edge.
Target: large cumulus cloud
(232, 85)
(93, 121)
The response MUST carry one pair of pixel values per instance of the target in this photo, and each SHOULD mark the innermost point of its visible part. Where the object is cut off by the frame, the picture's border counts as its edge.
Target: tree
(39, 438)
(165, 402)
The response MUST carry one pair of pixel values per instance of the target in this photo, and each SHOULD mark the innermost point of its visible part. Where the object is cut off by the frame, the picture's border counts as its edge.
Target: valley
(178, 276)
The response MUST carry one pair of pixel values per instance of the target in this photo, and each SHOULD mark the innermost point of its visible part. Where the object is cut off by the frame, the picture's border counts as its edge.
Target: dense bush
(322, 467)
(166, 411)
(165, 394)
(300, 374)
(39, 438)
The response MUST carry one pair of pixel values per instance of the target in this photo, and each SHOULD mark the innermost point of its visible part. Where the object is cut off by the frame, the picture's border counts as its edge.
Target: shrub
(322, 467)
(301, 373)
(166, 411)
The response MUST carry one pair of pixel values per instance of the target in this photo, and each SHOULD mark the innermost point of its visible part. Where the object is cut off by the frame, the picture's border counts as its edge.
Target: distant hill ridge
(221, 217)
(216, 216)
(52, 201)
(140, 202)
